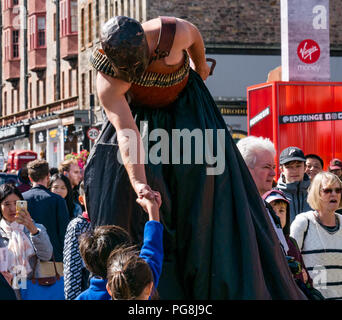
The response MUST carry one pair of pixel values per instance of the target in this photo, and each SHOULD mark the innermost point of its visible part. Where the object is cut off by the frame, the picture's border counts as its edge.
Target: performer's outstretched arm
(111, 93)
(189, 38)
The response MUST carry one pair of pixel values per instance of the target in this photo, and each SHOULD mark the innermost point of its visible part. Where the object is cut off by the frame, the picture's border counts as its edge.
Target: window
(18, 97)
(30, 95)
(106, 10)
(73, 17)
(15, 2)
(70, 82)
(97, 20)
(54, 27)
(68, 17)
(37, 26)
(90, 21)
(63, 84)
(55, 86)
(41, 31)
(38, 92)
(15, 41)
(44, 91)
(82, 29)
(7, 45)
(12, 101)
(4, 112)
(90, 81)
(83, 88)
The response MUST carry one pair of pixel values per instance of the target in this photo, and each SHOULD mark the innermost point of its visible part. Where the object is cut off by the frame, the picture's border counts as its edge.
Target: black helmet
(124, 42)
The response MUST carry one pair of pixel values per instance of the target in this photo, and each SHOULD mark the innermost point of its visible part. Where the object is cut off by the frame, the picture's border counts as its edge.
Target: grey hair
(251, 145)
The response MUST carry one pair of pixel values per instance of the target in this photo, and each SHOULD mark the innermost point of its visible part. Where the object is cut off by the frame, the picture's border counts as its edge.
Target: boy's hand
(151, 206)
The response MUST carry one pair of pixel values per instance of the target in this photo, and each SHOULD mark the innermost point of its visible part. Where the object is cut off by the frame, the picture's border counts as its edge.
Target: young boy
(75, 274)
(134, 276)
(293, 181)
(96, 247)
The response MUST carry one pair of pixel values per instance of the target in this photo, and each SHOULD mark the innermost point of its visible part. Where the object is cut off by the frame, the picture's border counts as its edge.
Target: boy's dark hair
(7, 189)
(127, 274)
(38, 169)
(315, 156)
(96, 246)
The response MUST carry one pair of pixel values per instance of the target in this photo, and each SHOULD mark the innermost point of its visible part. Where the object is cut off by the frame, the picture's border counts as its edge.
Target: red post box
(19, 158)
(307, 115)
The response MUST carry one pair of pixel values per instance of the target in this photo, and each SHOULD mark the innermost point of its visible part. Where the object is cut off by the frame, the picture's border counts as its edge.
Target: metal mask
(124, 42)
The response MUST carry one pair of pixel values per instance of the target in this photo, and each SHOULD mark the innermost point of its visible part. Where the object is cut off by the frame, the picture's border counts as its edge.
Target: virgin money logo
(308, 51)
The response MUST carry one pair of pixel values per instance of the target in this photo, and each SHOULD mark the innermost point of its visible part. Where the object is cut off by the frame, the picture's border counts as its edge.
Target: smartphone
(21, 204)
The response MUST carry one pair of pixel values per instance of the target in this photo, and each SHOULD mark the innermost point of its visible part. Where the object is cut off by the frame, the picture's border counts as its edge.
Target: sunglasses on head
(330, 190)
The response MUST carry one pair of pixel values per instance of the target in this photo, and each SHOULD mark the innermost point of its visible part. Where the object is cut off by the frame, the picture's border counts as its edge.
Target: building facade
(39, 77)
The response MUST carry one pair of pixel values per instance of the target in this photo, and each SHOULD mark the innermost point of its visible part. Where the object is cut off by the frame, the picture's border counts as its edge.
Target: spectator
(281, 207)
(72, 171)
(95, 248)
(318, 233)
(46, 207)
(259, 154)
(313, 165)
(75, 273)
(53, 171)
(60, 185)
(293, 181)
(24, 181)
(335, 167)
(133, 276)
(28, 241)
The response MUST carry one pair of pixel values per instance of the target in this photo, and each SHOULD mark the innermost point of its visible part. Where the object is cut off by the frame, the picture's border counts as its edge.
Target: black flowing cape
(218, 240)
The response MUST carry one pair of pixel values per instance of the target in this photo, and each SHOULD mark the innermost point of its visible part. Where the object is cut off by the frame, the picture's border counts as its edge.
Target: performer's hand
(151, 207)
(144, 191)
(203, 70)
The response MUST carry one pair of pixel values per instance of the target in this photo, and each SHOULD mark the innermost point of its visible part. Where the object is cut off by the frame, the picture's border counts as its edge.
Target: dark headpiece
(124, 43)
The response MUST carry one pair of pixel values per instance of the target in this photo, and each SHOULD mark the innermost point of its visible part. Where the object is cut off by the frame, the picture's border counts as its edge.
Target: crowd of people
(48, 232)
(304, 208)
(102, 263)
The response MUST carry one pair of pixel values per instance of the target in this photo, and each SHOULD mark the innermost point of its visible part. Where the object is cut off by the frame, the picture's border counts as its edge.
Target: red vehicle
(307, 115)
(19, 158)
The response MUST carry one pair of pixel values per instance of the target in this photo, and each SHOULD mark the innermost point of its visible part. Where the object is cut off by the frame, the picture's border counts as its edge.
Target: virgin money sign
(305, 43)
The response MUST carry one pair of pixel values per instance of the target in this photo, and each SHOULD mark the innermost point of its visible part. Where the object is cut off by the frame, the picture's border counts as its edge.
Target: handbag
(44, 288)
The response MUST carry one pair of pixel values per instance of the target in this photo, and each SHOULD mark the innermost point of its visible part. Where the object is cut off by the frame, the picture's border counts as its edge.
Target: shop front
(14, 137)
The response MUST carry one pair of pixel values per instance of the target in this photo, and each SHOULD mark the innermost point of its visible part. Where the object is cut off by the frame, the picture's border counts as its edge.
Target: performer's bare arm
(189, 38)
(111, 93)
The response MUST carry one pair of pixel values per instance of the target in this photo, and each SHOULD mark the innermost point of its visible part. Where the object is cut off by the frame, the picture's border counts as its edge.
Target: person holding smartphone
(28, 241)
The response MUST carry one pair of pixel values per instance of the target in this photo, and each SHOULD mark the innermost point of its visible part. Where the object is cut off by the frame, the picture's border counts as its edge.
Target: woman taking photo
(60, 185)
(28, 241)
(319, 235)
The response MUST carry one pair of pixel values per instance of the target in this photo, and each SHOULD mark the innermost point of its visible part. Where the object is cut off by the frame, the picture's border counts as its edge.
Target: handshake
(149, 200)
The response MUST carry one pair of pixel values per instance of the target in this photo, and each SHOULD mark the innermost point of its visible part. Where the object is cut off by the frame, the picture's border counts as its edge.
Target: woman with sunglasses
(319, 235)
